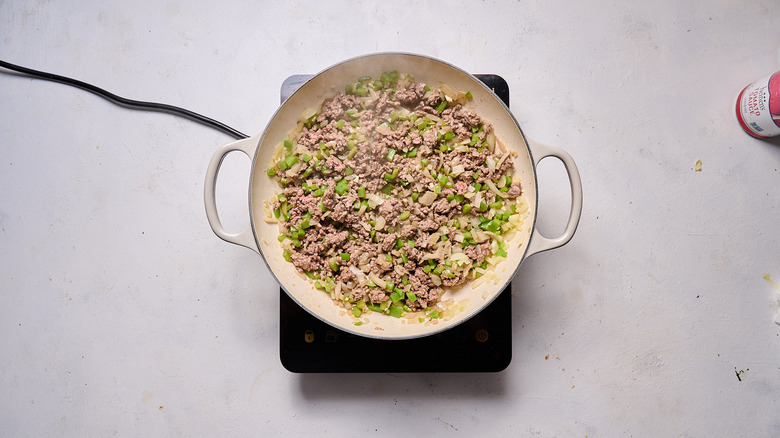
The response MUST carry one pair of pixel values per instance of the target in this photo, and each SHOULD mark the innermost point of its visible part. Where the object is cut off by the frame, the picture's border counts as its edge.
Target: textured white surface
(121, 314)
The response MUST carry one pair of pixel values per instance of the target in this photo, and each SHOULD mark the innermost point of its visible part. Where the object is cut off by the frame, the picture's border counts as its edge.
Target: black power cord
(133, 104)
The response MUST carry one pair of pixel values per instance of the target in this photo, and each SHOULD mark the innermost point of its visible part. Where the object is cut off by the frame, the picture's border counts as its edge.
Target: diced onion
(268, 215)
(430, 256)
(434, 118)
(522, 206)
(449, 92)
(374, 200)
(491, 163)
(460, 258)
(427, 198)
(501, 146)
(477, 200)
(377, 281)
(308, 113)
(501, 160)
(494, 189)
(494, 260)
(491, 140)
(380, 223)
(296, 167)
(384, 130)
(400, 270)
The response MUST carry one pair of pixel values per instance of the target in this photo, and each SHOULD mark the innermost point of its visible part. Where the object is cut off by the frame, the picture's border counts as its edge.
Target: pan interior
(467, 299)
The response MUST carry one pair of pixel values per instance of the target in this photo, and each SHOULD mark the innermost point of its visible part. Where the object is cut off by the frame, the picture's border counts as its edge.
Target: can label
(753, 108)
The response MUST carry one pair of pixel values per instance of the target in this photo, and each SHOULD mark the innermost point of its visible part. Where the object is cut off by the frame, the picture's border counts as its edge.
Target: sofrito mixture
(390, 193)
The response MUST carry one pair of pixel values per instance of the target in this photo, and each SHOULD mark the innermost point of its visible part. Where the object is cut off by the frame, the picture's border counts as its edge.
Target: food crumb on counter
(776, 302)
(697, 166)
(769, 280)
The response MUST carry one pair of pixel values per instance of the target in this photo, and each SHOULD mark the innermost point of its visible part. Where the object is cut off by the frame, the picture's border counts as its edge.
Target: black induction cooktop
(481, 344)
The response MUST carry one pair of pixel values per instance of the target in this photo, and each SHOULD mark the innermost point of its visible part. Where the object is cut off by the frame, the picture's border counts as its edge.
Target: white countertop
(121, 313)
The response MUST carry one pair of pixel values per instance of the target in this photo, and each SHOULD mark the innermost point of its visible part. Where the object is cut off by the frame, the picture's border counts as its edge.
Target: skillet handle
(538, 242)
(246, 237)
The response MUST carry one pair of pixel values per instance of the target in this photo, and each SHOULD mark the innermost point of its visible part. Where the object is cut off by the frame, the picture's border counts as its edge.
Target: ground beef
(505, 165)
(347, 276)
(428, 225)
(432, 100)
(367, 123)
(403, 146)
(359, 293)
(391, 209)
(384, 105)
(336, 165)
(514, 190)
(466, 177)
(449, 282)
(377, 295)
(461, 121)
(416, 138)
(369, 169)
(334, 109)
(470, 118)
(310, 138)
(306, 262)
(312, 243)
(422, 240)
(410, 96)
(477, 252)
(415, 255)
(336, 240)
(408, 231)
(423, 289)
(342, 209)
(388, 242)
(421, 283)
(429, 138)
(442, 206)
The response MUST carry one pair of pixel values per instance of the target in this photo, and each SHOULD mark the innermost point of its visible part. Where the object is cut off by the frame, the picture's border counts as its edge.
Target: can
(758, 107)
